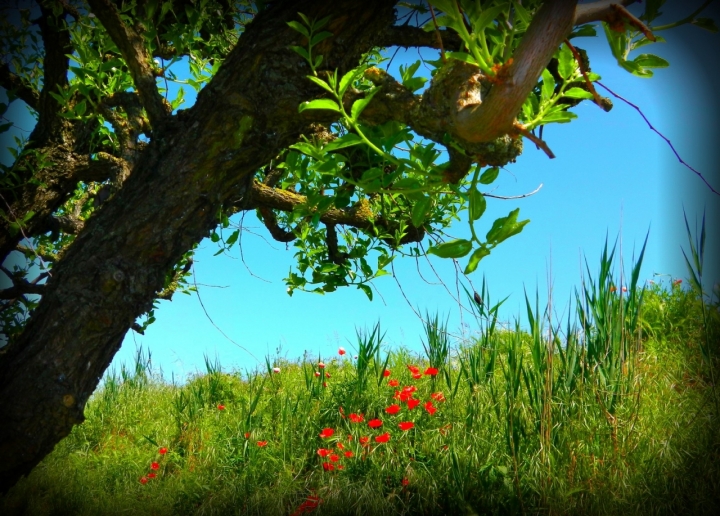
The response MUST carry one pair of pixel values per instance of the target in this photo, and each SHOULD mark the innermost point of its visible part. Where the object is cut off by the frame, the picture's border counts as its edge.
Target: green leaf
(215, 237)
(479, 254)
(320, 82)
(705, 23)
(347, 140)
(559, 117)
(548, 85)
(566, 62)
(500, 223)
(477, 204)
(583, 31)
(320, 104)
(489, 175)
(80, 108)
(462, 56)
(317, 38)
(367, 290)
(300, 28)
(300, 50)
(650, 61)
(232, 238)
(420, 210)
(360, 104)
(453, 249)
(348, 79)
(487, 17)
(318, 60)
(578, 93)
(321, 23)
(5, 127)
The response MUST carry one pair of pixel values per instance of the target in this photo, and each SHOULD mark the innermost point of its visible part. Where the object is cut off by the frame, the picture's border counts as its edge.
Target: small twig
(11, 212)
(589, 84)
(242, 256)
(639, 25)
(504, 198)
(661, 136)
(537, 141)
(437, 33)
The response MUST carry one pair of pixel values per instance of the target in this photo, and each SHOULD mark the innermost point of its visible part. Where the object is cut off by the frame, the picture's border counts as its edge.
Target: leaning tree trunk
(198, 163)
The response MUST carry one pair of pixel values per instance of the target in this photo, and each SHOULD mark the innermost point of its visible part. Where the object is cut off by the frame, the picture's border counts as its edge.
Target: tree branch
(16, 85)
(601, 10)
(132, 48)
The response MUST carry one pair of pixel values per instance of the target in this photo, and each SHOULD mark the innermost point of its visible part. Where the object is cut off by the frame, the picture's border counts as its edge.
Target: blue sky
(612, 176)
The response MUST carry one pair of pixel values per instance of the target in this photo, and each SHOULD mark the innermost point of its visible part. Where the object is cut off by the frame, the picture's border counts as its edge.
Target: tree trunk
(198, 163)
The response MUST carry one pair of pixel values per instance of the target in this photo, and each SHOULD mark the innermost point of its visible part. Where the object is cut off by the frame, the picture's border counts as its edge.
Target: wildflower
(276, 370)
(374, 423)
(154, 465)
(321, 365)
(151, 475)
(350, 437)
(405, 482)
(383, 438)
(356, 418)
(262, 443)
(327, 466)
(221, 407)
(143, 480)
(162, 451)
(349, 454)
(327, 432)
(624, 289)
(386, 373)
(417, 376)
(410, 389)
(334, 457)
(324, 384)
(393, 383)
(327, 375)
(406, 425)
(323, 452)
(612, 288)
(651, 282)
(340, 466)
(677, 282)
(341, 351)
(445, 429)
(247, 435)
(430, 408)
(309, 505)
(393, 409)
(438, 396)
(413, 369)
(340, 446)
(431, 371)
(412, 403)
(364, 440)
(317, 374)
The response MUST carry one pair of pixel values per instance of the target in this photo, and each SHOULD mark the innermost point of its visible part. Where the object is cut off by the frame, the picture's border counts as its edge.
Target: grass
(611, 411)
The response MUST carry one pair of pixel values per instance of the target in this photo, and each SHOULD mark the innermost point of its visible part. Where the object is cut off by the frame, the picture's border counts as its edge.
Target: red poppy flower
(151, 475)
(356, 418)
(143, 480)
(328, 467)
(340, 446)
(383, 438)
(364, 440)
(412, 403)
(410, 389)
(334, 457)
(413, 369)
(612, 288)
(349, 454)
(341, 351)
(340, 466)
(327, 375)
(624, 289)
(405, 481)
(247, 435)
(386, 373)
(262, 443)
(438, 396)
(350, 438)
(406, 425)
(321, 365)
(221, 407)
(677, 282)
(162, 451)
(323, 452)
(417, 376)
(432, 371)
(374, 423)
(317, 374)
(430, 408)
(393, 409)
(327, 432)
(324, 384)
(393, 383)
(154, 465)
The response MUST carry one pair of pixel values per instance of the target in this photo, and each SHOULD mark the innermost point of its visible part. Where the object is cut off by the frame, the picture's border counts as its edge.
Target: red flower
(162, 451)
(349, 454)
(262, 443)
(438, 396)
(221, 407)
(151, 475)
(410, 389)
(413, 369)
(321, 365)
(374, 423)
(612, 288)
(350, 437)
(317, 374)
(341, 351)
(405, 481)
(334, 457)
(406, 425)
(327, 375)
(393, 409)
(340, 446)
(154, 465)
(323, 452)
(386, 373)
(412, 403)
(393, 383)
(340, 466)
(624, 289)
(383, 438)
(417, 376)
(356, 418)
(143, 480)
(327, 466)
(247, 435)
(327, 432)
(677, 282)
(432, 371)
(324, 384)
(364, 440)
(430, 408)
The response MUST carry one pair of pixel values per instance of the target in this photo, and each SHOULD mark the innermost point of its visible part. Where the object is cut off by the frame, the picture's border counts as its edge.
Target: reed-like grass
(610, 411)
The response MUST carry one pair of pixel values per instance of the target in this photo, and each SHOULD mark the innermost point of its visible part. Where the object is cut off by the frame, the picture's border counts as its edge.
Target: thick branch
(14, 84)
(132, 48)
(602, 10)
(407, 36)
(495, 115)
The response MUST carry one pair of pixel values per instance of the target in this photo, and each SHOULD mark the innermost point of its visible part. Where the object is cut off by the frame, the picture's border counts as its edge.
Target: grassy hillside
(611, 412)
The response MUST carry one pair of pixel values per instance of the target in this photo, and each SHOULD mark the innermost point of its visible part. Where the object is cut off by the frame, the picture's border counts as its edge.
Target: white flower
(276, 370)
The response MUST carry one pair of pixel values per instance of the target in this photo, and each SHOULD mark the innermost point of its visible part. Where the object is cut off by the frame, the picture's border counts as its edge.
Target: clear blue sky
(612, 175)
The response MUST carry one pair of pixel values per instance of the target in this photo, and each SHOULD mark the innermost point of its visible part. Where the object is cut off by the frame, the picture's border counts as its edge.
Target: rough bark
(197, 165)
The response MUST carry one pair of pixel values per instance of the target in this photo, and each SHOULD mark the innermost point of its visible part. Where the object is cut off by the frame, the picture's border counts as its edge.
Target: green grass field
(612, 411)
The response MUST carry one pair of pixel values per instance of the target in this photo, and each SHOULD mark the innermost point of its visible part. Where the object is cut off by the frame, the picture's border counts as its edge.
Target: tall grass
(609, 411)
